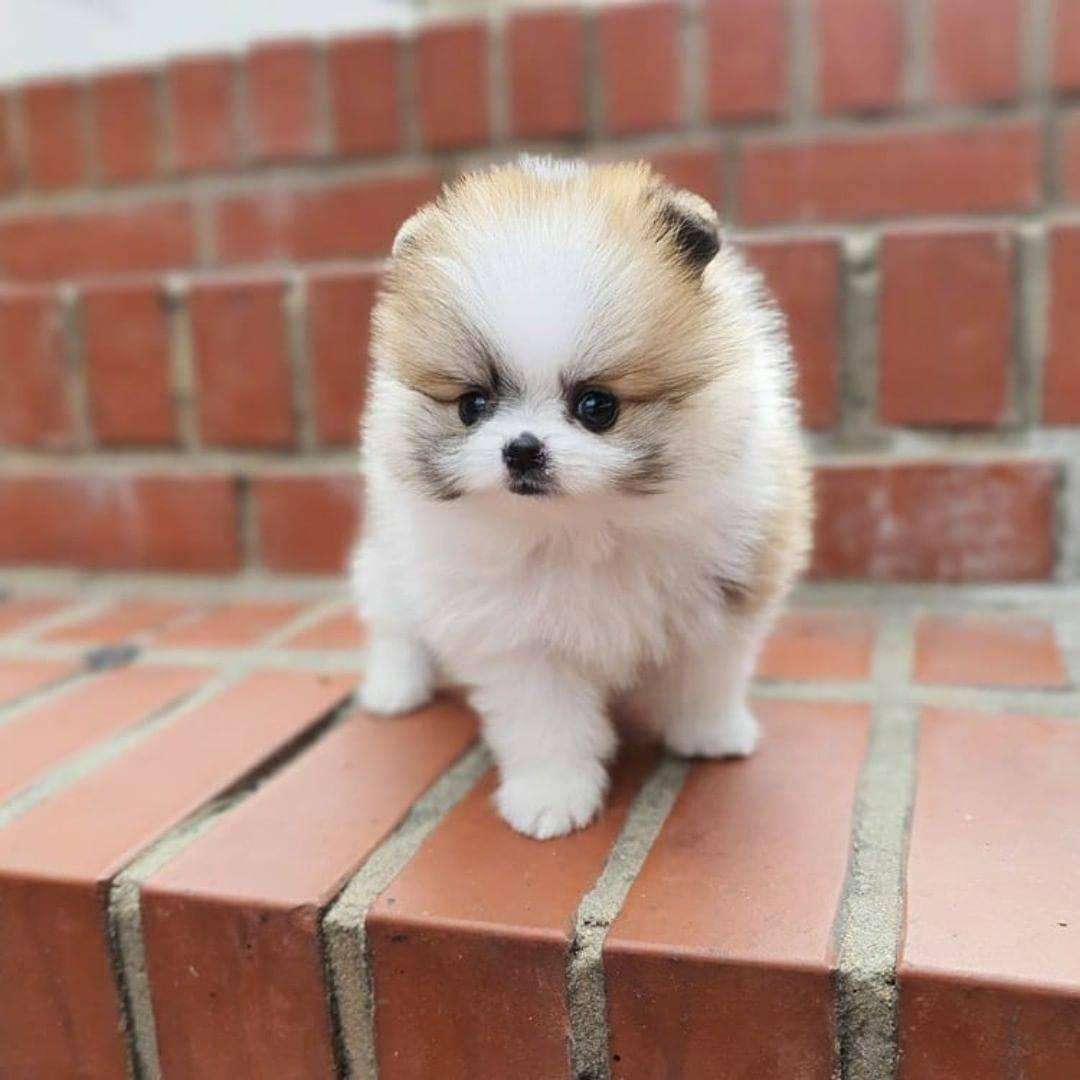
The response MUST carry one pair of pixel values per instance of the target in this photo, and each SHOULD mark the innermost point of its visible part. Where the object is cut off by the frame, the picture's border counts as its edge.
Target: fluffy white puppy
(584, 479)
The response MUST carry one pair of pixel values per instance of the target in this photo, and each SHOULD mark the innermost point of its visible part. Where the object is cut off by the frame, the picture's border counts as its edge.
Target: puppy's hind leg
(400, 672)
(698, 701)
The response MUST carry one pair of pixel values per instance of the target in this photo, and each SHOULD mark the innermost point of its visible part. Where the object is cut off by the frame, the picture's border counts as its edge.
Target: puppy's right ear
(410, 232)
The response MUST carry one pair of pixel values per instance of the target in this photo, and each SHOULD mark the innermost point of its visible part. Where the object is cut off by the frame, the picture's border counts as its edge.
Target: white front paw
(547, 801)
(733, 735)
(398, 678)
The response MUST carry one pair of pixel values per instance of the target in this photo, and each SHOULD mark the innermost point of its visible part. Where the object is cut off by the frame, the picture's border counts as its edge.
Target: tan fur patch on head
(425, 341)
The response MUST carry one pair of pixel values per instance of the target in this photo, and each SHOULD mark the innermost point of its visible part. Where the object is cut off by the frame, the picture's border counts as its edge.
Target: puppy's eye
(473, 406)
(596, 409)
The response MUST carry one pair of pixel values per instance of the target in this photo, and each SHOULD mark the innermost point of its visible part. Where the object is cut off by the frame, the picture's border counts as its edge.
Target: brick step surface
(213, 864)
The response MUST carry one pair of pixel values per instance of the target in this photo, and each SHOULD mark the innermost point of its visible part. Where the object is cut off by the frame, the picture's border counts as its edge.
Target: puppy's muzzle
(526, 462)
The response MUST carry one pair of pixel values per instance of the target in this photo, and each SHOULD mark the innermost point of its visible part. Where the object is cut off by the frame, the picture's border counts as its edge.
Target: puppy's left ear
(691, 225)
(411, 232)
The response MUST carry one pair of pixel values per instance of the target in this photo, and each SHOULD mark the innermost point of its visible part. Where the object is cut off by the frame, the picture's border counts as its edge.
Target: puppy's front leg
(546, 726)
(698, 701)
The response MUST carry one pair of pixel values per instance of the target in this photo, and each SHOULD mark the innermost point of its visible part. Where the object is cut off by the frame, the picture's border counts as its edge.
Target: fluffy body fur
(645, 564)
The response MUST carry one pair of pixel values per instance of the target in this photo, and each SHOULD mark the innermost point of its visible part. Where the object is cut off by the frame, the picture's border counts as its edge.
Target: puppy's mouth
(531, 483)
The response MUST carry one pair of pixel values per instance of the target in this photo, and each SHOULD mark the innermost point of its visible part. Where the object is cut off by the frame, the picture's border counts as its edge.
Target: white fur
(552, 608)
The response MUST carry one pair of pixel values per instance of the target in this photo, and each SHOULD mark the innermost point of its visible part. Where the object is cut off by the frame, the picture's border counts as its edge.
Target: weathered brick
(34, 408)
(992, 992)
(201, 102)
(697, 169)
(804, 275)
(230, 626)
(55, 148)
(892, 172)
(341, 631)
(339, 317)
(139, 236)
(364, 100)
(946, 327)
(976, 49)
(286, 507)
(547, 73)
(124, 620)
(18, 613)
(125, 125)
(640, 72)
(861, 43)
(120, 521)
(357, 218)
(9, 167)
(452, 84)
(18, 678)
(1061, 380)
(126, 353)
(223, 921)
(282, 117)
(239, 345)
(747, 58)
(819, 645)
(936, 522)
(1066, 45)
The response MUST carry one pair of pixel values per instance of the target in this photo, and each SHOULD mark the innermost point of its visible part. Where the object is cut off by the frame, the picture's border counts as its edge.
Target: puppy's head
(543, 334)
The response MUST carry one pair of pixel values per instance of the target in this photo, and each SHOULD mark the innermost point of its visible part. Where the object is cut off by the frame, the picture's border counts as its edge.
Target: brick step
(213, 864)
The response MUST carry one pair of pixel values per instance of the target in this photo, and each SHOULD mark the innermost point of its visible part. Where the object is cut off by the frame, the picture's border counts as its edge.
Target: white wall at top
(49, 37)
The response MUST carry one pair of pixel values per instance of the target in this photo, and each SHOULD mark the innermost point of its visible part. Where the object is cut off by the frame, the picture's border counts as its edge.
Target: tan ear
(692, 225)
(410, 231)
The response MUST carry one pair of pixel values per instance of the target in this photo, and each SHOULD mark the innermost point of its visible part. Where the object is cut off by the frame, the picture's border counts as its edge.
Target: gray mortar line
(870, 916)
(859, 318)
(127, 947)
(344, 931)
(585, 990)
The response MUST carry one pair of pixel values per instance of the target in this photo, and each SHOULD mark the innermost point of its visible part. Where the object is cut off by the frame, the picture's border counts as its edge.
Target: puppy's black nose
(524, 453)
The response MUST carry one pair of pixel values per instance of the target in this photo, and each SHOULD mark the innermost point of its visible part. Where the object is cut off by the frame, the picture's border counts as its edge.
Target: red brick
(640, 73)
(747, 58)
(120, 521)
(34, 409)
(126, 356)
(235, 918)
(230, 626)
(138, 236)
(61, 1011)
(281, 101)
(125, 125)
(9, 169)
(697, 170)
(307, 524)
(339, 320)
(732, 915)
(946, 328)
(19, 678)
(201, 103)
(1066, 42)
(20, 612)
(342, 631)
(820, 645)
(861, 43)
(52, 119)
(1070, 155)
(900, 172)
(1061, 383)
(988, 650)
(49, 733)
(360, 218)
(547, 73)
(976, 65)
(936, 522)
(804, 276)
(455, 941)
(364, 101)
(990, 961)
(126, 620)
(452, 84)
(239, 341)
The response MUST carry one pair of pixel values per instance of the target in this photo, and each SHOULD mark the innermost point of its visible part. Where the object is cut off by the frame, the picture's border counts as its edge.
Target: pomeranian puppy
(583, 474)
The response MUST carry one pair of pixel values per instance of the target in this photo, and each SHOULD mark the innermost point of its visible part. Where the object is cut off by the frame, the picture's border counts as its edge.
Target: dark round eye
(472, 406)
(596, 409)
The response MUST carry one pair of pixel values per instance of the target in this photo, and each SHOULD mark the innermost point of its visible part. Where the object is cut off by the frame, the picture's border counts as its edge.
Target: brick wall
(188, 254)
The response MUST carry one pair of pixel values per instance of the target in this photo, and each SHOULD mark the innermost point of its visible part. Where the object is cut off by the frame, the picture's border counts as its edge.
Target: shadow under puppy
(584, 479)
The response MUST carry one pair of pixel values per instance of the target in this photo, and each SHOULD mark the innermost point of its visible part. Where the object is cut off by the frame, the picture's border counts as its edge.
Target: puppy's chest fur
(609, 608)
